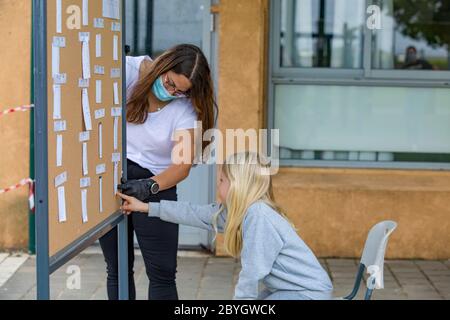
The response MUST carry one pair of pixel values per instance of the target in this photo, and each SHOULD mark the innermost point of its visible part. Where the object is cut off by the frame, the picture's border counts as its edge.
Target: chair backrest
(375, 247)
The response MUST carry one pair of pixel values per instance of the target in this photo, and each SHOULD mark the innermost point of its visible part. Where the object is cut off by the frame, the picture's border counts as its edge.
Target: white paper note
(98, 45)
(83, 83)
(60, 126)
(85, 182)
(85, 136)
(85, 159)
(116, 93)
(84, 210)
(116, 133)
(100, 193)
(100, 169)
(116, 112)
(98, 91)
(86, 61)
(99, 114)
(116, 177)
(59, 42)
(85, 12)
(99, 70)
(59, 150)
(62, 214)
(100, 140)
(56, 102)
(116, 48)
(116, 73)
(99, 23)
(86, 110)
(58, 16)
(60, 78)
(61, 179)
(55, 60)
(116, 157)
(111, 9)
(116, 26)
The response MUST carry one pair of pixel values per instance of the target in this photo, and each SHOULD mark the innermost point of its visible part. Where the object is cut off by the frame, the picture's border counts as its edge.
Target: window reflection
(415, 35)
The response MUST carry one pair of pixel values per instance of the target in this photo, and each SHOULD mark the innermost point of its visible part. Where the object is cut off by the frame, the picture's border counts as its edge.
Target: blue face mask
(161, 92)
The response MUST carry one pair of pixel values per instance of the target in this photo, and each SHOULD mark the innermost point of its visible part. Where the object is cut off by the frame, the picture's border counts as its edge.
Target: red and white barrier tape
(22, 183)
(17, 109)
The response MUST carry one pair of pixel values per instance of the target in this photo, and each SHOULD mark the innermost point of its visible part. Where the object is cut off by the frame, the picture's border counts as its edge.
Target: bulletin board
(84, 116)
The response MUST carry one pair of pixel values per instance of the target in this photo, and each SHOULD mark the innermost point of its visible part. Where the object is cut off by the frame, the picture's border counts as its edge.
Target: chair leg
(368, 294)
(359, 276)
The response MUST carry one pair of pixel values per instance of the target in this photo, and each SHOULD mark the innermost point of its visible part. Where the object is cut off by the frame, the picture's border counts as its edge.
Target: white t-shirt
(150, 144)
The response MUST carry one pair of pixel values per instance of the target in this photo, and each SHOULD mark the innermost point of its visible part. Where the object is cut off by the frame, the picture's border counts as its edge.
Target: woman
(164, 97)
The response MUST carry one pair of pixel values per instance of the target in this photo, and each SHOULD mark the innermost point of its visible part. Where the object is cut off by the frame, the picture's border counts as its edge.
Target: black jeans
(158, 241)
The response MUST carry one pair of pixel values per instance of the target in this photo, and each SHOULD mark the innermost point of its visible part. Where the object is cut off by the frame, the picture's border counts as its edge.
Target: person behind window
(413, 62)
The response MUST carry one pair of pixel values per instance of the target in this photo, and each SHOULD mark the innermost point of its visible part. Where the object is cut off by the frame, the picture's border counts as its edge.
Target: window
(324, 34)
(344, 95)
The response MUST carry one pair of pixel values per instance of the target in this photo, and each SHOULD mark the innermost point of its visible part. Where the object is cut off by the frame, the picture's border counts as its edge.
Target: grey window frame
(345, 77)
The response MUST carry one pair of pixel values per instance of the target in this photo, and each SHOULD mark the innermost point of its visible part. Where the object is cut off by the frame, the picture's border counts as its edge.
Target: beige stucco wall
(15, 66)
(333, 209)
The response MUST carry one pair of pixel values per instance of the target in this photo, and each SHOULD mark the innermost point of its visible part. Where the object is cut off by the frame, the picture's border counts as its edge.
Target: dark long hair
(187, 60)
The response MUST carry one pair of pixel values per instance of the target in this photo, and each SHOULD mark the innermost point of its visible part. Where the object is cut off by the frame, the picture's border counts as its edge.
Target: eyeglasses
(173, 87)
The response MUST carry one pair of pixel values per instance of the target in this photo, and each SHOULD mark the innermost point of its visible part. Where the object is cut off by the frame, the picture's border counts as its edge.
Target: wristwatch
(154, 186)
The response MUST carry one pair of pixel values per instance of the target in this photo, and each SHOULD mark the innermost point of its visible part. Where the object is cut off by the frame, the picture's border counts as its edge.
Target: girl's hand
(131, 204)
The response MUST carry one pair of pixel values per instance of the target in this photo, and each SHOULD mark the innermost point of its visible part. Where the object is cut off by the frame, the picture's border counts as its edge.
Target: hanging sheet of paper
(98, 45)
(111, 9)
(58, 16)
(56, 60)
(85, 12)
(85, 182)
(116, 177)
(100, 169)
(99, 70)
(99, 23)
(116, 93)
(116, 48)
(60, 78)
(84, 206)
(116, 133)
(86, 110)
(61, 179)
(84, 37)
(59, 150)
(99, 114)
(116, 26)
(85, 159)
(56, 102)
(62, 214)
(85, 136)
(98, 91)
(60, 126)
(100, 193)
(100, 140)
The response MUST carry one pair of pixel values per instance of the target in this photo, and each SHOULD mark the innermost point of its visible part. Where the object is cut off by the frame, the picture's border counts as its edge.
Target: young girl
(255, 230)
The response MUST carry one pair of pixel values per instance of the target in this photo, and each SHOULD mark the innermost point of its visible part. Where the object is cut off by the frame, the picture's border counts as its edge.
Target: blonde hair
(250, 182)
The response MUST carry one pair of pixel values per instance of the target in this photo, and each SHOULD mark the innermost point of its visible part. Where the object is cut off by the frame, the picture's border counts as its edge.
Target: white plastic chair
(373, 259)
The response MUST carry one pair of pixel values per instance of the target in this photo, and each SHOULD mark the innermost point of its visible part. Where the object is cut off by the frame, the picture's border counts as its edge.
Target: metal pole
(41, 156)
(31, 216)
(122, 228)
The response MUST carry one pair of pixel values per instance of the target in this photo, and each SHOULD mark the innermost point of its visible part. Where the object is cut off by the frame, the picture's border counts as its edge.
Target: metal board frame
(45, 264)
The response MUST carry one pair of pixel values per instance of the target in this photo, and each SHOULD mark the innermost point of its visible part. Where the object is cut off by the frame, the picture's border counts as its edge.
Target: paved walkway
(204, 277)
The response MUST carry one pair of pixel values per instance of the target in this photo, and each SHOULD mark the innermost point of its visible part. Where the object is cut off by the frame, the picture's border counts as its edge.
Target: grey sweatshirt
(272, 251)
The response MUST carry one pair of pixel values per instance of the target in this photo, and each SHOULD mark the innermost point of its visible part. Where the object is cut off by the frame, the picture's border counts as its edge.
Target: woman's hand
(131, 204)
